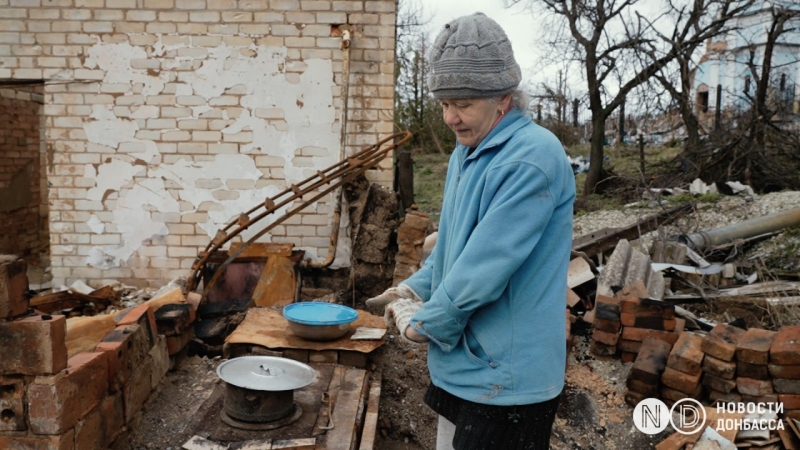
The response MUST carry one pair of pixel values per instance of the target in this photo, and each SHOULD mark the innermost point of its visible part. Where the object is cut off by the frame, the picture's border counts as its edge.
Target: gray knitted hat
(472, 58)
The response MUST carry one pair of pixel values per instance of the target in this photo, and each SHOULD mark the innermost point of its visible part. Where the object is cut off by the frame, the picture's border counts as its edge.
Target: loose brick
(748, 370)
(674, 395)
(750, 386)
(719, 368)
(13, 286)
(144, 317)
(609, 326)
(769, 398)
(783, 386)
(651, 361)
(605, 338)
(686, 355)
(719, 384)
(785, 348)
(57, 403)
(65, 441)
(721, 341)
(647, 308)
(650, 390)
(753, 347)
(627, 357)
(790, 401)
(649, 322)
(34, 345)
(680, 381)
(296, 354)
(607, 308)
(12, 404)
(354, 359)
(788, 372)
(172, 319)
(640, 334)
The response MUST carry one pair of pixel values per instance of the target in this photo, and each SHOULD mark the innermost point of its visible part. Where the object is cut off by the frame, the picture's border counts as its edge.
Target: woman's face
(472, 119)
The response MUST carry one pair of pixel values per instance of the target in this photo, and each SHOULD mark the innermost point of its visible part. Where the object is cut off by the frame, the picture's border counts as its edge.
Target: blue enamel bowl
(319, 321)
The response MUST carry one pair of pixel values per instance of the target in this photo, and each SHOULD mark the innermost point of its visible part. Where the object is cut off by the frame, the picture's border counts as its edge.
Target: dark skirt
(490, 427)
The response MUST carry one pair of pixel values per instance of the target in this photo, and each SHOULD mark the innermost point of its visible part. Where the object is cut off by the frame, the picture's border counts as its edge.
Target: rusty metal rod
(748, 228)
(335, 176)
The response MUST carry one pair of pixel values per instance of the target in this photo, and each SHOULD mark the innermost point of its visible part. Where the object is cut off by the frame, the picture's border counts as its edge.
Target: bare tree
(605, 36)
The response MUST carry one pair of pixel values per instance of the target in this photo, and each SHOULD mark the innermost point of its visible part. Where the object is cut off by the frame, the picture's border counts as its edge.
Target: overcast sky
(518, 24)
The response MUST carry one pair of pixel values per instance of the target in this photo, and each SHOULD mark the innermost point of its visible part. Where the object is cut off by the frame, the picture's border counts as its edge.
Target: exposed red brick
(640, 334)
(719, 384)
(651, 361)
(12, 404)
(730, 397)
(13, 286)
(719, 368)
(126, 347)
(649, 322)
(785, 348)
(34, 345)
(609, 326)
(57, 403)
(722, 340)
(790, 401)
(769, 398)
(750, 386)
(65, 441)
(143, 316)
(627, 357)
(633, 398)
(680, 381)
(686, 355)
(606, 308)
(628, 346)
(787, 372)
(604, 337)
(674, 395)
(650, 390)
(102, 425)
(601, 349)
(753, 347)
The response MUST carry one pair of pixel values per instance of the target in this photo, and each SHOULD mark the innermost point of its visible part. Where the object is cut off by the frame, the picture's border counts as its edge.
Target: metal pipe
(337, 209)
(748, 228)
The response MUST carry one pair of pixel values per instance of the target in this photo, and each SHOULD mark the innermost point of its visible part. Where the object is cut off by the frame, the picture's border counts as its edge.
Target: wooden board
(371, 416)
(268, 328)
(345, 411)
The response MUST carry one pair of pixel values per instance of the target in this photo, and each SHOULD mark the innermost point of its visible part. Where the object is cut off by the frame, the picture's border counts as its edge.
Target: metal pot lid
(266, 373)
(319, 313)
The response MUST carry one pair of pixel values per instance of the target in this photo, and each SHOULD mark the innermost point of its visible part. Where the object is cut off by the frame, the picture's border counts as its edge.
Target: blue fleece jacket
(494, 287)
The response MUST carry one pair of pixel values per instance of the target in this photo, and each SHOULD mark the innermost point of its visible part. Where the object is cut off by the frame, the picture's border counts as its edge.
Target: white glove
(392, 294)
(400, 312)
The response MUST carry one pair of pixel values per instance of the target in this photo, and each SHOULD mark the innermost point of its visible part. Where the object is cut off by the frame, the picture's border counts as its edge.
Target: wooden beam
(371, 417)
(345, 411)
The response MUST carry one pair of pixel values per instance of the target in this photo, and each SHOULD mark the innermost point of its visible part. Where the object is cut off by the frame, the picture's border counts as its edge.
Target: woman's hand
(413, 335)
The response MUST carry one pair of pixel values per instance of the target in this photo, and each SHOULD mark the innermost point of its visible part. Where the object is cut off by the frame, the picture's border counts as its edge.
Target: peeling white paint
(96, 225)
(309, 120)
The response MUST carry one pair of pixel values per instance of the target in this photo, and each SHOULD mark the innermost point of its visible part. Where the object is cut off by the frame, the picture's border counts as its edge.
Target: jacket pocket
(476, 351)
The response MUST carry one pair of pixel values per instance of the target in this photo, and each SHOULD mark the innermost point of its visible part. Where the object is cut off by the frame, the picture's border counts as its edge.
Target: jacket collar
(513, 121)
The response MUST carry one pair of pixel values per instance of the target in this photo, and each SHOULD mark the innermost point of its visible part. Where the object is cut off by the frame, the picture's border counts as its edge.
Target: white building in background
(725, 66)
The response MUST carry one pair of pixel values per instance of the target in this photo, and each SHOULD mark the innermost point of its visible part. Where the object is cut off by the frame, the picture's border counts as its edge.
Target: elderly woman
(490, 299)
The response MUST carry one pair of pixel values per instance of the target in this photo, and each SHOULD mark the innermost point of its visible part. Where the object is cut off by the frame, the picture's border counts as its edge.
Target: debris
(368, 334)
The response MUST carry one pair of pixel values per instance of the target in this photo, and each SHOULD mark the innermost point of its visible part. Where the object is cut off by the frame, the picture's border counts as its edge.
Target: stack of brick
(410, 238)
(681, 378)
(50, 402)
(646, 318)
(176, 322)
(753, 380)
(605, 334)
(719, 366)
(643, 379)
(784, 367)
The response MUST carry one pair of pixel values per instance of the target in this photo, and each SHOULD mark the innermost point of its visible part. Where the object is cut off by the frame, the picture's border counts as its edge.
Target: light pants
(445, 431)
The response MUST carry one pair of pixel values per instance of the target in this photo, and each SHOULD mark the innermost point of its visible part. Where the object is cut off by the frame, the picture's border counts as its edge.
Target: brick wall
(23, 207)
(167, 118)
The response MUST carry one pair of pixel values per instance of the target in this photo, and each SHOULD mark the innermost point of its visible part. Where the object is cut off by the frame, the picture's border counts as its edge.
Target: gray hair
(519, 100)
